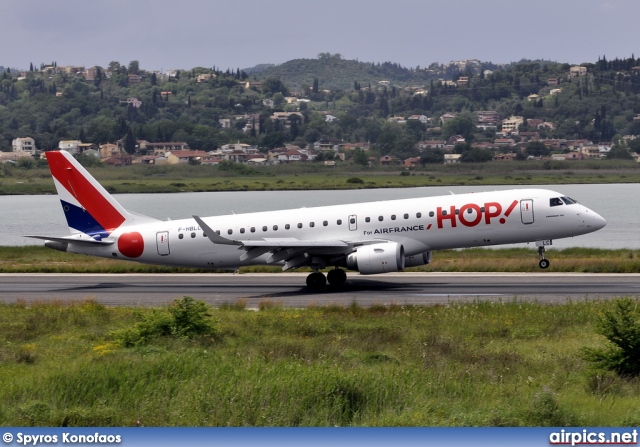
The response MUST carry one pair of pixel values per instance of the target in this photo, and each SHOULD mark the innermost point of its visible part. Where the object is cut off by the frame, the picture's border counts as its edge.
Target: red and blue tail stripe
(87, 206)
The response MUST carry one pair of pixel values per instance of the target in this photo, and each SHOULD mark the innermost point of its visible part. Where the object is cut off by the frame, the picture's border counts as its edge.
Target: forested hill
(336, 98)
(335, 73)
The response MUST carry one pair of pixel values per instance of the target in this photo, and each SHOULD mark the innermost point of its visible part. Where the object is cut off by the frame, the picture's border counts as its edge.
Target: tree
(458, 126)
(360, 157)
(476, 155)
(435, 156)
(129, 143)
(619, 151)
(273, 85)
(134, 67)
(114, 67)
(634, 128)
(537, 149)
(621, 326)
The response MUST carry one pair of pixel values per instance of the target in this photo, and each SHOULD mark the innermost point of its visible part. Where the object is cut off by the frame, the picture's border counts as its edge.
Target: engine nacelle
(377, 258)
(419, 259)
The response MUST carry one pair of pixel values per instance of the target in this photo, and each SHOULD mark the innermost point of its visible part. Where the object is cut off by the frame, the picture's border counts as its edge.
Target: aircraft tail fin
(87, 206)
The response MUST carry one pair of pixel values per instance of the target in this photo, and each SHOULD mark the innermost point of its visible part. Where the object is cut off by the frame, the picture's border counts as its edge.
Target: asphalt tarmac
(289, 289)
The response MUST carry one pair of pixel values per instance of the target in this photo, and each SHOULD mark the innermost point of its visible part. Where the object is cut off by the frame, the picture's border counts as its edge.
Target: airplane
(370, 238)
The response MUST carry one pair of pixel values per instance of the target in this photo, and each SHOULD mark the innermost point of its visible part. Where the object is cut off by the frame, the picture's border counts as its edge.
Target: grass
(315, 176)
(478, 364)
(38, 259)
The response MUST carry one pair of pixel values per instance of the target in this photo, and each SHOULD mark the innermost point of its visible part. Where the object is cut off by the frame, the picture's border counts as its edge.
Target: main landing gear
(317, 280)
(544, 263)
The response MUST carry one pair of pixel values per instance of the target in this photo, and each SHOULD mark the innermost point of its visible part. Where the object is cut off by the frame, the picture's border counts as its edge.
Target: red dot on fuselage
(502, 220)
(131, 244)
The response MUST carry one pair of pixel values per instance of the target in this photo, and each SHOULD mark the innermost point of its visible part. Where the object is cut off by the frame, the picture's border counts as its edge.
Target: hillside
(207, 108)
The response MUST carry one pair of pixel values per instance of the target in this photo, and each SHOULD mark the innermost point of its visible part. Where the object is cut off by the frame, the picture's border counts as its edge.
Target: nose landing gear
(544, 263)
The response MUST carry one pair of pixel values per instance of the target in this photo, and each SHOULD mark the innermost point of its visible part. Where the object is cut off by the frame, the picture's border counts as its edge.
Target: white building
(512, 124)
(24, 145)
(70, 146)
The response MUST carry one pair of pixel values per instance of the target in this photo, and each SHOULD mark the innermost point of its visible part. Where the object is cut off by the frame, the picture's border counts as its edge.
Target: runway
(289, 289)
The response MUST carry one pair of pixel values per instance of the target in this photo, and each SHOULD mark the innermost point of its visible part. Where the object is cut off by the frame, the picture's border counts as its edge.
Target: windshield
(568, 200)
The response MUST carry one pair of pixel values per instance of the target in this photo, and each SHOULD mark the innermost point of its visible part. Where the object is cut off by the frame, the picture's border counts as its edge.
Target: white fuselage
(419, 225)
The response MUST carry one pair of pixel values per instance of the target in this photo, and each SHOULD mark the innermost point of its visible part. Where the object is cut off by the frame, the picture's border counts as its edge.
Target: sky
(163, 35)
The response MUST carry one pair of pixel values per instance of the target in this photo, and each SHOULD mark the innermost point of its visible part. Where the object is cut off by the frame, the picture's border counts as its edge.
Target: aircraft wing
(293, 243)
(294, 252)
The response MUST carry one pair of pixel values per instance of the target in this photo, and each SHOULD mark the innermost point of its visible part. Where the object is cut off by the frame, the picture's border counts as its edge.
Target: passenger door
(162, 242)
(526, 211)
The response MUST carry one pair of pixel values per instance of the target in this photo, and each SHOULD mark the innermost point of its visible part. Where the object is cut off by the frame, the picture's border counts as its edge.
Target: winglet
(213, 236)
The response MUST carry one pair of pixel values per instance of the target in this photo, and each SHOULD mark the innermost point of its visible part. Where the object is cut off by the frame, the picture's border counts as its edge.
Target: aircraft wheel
(337, 277)
(544, 263)
(316, 281)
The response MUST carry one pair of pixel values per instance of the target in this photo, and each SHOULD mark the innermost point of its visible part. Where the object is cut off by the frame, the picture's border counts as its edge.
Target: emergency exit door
(526, 211)
(353, 222)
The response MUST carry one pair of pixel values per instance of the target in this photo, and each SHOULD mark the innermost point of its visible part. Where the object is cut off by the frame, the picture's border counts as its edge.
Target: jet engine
(377, 258)
(419, 259)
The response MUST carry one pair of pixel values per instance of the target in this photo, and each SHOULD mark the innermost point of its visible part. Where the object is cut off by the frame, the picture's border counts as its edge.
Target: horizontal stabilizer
(80, 239)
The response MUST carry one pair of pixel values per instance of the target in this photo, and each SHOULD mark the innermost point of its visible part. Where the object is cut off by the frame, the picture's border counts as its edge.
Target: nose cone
(593, 220)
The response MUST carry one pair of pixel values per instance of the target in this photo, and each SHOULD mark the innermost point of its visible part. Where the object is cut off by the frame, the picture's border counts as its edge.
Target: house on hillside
(185, 157)
(27, 145)
(390, 160)
(70, 146)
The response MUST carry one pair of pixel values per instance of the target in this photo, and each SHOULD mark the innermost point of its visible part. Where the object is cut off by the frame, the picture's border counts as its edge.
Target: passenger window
(287, 227)
(299, 225)
(555, 202)
(193, 235)
(339, 222)
(393, 217)
(367, 219)
(406, 216)
(204, 234)
(264, 228)
(180, 236)
(325, 223)
(431, 214)
(242, 230)
(444, 212)
(418, 215)
(229, 231)
(253, 229)
(380, 218)
(218, 232)
(275, 228)
(457, 212)
(353, 220)
(311, 224)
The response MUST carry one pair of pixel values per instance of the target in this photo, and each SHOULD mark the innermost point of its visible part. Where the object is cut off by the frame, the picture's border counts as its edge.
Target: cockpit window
(555, 202)
(568, 200)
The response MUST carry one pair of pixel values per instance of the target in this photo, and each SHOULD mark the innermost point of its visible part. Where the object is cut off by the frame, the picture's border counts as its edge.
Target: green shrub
(185, 318)
(355, 180)
(621, 326)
